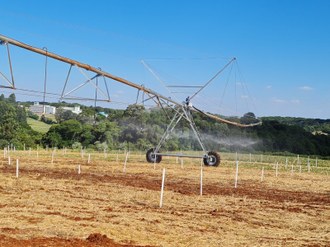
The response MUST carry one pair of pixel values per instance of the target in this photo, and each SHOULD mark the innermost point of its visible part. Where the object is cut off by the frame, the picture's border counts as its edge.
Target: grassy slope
(38, 125)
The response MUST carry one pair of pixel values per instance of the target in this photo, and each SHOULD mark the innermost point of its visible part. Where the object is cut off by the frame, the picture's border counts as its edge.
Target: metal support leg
(175, 120)
(210, 158)
(193, 127)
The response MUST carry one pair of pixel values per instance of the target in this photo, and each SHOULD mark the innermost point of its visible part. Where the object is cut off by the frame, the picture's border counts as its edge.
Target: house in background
(75, 109)
(42, 109)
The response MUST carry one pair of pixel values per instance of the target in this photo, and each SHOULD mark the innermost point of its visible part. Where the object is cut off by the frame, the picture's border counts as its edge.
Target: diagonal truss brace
(183, 113)
(88, 81)
(12, 81)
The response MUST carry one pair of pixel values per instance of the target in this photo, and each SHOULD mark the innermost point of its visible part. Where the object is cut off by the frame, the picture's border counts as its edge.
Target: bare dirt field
(108, 204)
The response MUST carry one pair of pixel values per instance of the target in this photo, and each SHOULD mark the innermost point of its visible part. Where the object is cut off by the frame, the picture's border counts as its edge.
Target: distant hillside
(137, 128)
(310, 125)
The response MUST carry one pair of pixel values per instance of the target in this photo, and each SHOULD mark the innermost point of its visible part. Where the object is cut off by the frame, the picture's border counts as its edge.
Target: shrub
(76, 145)
(30, 114)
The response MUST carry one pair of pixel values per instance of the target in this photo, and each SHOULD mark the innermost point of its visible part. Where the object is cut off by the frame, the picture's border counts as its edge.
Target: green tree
(62, 115)
(87, 136)
(12, 98)
(87, 115)
(249, 118)
(135, 113)
(53, 138)
(8, 121)
(63, 134)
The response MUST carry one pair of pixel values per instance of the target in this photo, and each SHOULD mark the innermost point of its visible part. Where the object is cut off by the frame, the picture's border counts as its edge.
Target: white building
(75, 109)
(42, 109)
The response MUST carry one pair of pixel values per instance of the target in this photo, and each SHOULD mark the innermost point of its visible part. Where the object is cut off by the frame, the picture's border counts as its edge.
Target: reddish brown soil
(248, 189)
(269, 197)
(93, 240)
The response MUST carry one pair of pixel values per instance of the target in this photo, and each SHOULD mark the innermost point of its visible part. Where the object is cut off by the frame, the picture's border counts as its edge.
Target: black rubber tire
(212, 159)
(152, 158)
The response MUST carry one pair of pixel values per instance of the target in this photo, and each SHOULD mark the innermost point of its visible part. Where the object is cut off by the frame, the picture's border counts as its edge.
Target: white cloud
(269, 87)
(295, 101)
(279, 101)
(283, 101)
(306, 88)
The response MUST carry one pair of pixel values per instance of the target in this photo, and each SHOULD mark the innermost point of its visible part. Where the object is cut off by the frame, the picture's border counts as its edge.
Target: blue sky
(282, 47)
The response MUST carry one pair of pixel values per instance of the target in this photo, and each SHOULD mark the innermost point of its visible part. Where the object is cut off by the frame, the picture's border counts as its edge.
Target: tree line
(137, 128)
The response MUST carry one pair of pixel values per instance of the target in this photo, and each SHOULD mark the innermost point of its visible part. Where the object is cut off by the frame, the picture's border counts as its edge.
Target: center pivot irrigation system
(182, 110)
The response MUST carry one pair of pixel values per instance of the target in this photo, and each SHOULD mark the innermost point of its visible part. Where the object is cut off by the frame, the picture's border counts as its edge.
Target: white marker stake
(9, 161)
(236, 176)
(155, 161)
(79, 170)
(262, 174)
(286, 163)
(17, 168)
(308, 165)
(89, 158)
(124, 169)
(276, 172)
(162, 189)
(201, 188)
